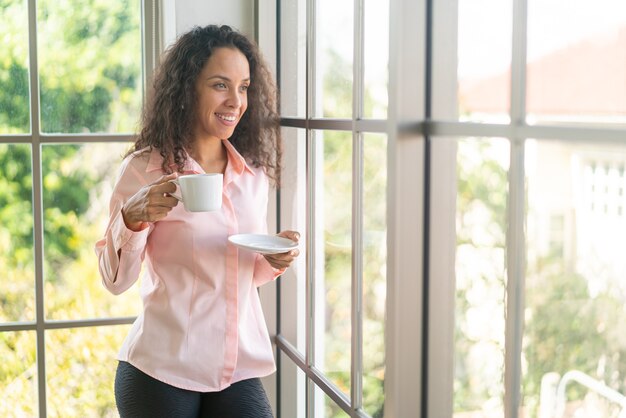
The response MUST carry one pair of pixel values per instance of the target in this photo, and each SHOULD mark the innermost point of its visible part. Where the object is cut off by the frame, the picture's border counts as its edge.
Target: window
(332, 308)
(529, 317)
(504, 213)
(71, 87)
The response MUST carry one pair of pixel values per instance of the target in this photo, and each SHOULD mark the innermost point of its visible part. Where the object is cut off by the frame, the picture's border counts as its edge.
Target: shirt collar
(235, 159)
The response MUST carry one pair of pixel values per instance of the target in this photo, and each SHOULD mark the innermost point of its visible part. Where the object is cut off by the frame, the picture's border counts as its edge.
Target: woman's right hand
(151, 203)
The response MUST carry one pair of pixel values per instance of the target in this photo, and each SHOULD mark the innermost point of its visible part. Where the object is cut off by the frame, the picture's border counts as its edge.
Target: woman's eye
(244, 88)
(220, 85)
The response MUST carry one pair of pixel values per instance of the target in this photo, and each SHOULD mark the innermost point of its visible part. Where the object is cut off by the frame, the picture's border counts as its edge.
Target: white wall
(180, 15)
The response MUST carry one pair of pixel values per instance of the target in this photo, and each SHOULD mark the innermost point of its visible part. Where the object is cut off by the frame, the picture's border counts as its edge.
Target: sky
(485, 28)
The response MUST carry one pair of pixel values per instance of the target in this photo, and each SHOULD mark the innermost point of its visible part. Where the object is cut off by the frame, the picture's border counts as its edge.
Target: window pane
(484, 53)
(14, 92)
(376, 58)
(333, 58)
(575, 70)
(292, 388)
(333, 255)
(18, 374)
(293, 58)
(77, 185)
(81, 366)
(17, 285)
(482, 166)
(326, 407)
(90, 65)
(575, 285)
(374, 271)
(293, 216)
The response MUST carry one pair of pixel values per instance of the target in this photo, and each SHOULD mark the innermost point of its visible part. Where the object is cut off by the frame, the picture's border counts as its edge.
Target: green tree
(337, 184)
(566, 326)
(89, 67)
(481, 235)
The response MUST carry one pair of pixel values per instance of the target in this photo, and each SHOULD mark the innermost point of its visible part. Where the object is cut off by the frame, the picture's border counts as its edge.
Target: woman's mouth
(226, 118)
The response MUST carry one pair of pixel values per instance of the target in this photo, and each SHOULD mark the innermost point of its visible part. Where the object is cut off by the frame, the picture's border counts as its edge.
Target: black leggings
(138, 395)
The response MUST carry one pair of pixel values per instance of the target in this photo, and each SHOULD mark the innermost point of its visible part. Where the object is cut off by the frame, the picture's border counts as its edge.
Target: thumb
(292, 235)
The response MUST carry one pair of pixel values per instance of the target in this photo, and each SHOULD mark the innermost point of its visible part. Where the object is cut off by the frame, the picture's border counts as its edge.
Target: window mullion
(518, 63)
(310, 207)
(516, 205)
(37, 205)
(356, 372)
(515, 282)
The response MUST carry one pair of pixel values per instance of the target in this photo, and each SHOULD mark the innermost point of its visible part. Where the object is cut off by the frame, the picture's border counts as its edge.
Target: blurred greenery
(566, 327)
(90, 81)
(481, 210)
(337, 219)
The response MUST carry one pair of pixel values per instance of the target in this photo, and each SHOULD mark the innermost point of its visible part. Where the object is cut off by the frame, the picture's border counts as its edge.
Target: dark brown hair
(168, 117)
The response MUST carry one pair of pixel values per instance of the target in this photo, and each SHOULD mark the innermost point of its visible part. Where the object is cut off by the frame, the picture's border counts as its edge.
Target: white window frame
(150, 51)
(441, 282)
(405, 203)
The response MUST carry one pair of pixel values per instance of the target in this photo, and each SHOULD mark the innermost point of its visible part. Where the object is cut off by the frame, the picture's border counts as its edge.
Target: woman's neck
(210, 154)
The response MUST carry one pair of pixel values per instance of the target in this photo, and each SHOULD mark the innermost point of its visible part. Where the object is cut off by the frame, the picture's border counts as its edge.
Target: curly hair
(167, 123)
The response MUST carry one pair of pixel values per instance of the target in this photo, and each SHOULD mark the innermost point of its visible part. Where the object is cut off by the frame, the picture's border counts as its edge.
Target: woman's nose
(234, 99)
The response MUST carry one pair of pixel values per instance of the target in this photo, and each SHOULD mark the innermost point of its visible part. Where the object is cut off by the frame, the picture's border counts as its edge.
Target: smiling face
(222, 94)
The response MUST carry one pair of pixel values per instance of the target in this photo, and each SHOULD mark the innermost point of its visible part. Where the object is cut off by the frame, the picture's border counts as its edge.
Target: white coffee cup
(200, 192)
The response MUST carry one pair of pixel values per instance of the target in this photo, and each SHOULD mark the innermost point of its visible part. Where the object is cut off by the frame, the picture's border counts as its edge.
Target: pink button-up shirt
(202, 327)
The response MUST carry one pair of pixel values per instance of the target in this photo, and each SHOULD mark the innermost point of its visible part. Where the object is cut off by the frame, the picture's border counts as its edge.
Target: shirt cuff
(128, 239)
(264, 272)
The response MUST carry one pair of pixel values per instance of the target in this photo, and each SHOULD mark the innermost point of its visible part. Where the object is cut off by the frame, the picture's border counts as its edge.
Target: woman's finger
(292, 235)
(282, 260)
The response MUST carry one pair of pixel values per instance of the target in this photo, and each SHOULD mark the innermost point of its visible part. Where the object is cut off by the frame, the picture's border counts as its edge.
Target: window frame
(405, 211)
(151, 45)
(439, 370)
(421, 246)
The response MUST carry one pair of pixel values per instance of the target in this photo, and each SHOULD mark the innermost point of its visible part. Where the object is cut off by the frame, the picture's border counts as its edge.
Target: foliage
(336, 216)
(89, 63)
(481, 226)
(584, 341)
(566, 326)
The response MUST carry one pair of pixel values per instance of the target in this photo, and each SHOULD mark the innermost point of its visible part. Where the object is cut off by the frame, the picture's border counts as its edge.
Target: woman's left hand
(283, 260)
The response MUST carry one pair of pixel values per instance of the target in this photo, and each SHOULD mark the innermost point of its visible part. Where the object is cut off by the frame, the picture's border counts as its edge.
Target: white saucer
(263, 244)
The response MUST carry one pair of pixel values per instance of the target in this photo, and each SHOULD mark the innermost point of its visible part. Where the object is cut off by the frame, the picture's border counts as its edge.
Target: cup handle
(179, 198)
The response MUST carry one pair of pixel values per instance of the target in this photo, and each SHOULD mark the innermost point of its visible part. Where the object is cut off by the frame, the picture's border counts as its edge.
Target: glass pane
(18, 374)
(77, 185)
(293, 216)
(333, 58)
(293, 58)
(333, 255)
(292, 387)
(575, 70)
(326, 407)
(482, 166)
(90, 65)
(374, 271)
(80, 371)
(575, 279)
(484, 54)
(17, 285)
(376, 58)
(14, 92)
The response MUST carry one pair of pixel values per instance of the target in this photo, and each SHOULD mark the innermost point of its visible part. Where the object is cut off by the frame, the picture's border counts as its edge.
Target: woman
(201, 344)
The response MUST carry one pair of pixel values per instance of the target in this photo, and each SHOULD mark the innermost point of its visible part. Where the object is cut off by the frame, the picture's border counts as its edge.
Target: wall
(180, 15)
